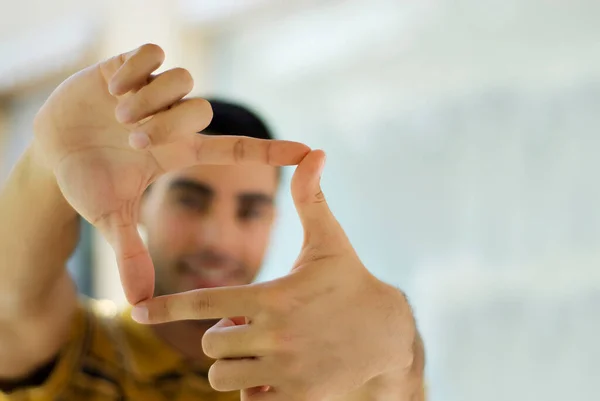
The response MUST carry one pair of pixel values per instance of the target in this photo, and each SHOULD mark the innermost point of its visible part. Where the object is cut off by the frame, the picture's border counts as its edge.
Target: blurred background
(462, 140)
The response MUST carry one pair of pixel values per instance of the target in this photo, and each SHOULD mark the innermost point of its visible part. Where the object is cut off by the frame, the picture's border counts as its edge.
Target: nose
(218, 228)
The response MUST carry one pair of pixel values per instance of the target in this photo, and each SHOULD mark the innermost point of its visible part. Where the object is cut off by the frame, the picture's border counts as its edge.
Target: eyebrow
(191, 186)
(255, 198)
(206, 191)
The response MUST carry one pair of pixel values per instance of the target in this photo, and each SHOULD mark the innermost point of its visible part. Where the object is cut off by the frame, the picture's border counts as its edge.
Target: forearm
(403, 384)
(38, 233)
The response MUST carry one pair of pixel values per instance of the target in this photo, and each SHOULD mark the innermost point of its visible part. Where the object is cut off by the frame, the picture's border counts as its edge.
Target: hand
(320, 332)
(110, 130)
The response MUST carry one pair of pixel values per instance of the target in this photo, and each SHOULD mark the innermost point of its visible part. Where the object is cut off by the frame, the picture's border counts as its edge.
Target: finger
(321, 228)
(245, 150)
(185, 118)
(228, 340)
(221, 150)
(238, 374)
(134, 69)
(164, 90)
(210, 303)
(135, 265)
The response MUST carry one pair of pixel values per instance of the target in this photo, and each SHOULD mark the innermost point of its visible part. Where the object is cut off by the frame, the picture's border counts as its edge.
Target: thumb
(319, 223)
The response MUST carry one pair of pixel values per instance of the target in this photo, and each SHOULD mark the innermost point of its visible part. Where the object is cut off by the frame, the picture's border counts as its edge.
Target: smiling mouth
(207, 276)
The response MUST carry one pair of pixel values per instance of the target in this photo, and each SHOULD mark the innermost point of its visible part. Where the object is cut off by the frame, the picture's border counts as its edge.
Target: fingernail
(140, 314)
(139, 140)
(111, 89)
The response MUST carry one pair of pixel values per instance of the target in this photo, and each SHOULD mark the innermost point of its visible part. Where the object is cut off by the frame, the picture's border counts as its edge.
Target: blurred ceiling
(40, 36)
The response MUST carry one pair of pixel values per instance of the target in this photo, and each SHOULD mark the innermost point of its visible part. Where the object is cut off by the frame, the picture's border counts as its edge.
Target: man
(327, 331)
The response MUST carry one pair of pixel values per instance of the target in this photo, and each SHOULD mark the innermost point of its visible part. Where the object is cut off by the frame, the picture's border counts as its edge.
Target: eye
(192, 202)
(250, 212)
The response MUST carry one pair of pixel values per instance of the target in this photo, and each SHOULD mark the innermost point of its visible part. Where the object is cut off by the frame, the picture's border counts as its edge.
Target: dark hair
(236, 119)
(231, 118)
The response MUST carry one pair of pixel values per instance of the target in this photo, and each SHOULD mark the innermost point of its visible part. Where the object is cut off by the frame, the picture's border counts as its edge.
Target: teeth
(214, 274)
(210, 274)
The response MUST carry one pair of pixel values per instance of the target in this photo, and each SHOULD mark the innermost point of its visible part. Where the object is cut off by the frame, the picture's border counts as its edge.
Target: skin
(88, 159)
(208, 226)
(290, 336)
(216, 217)
(96, 151)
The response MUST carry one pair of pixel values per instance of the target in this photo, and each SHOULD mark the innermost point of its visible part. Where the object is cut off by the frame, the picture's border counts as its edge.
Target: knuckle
(158, 128)
(282, 341)
(319, 197)
(272, 301)
(202, 303)
(140, 105)
(269, 152)
(239, 150)
(133, 108)
(160, 312)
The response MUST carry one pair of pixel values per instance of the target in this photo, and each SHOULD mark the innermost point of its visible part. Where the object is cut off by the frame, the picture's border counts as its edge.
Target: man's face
(209, 226)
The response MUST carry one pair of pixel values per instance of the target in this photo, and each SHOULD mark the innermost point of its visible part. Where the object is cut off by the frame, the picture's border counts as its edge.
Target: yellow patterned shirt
(110, 357)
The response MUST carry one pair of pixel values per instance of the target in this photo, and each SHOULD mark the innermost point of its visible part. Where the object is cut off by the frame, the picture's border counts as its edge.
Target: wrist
(37, 161)
(35, 177)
